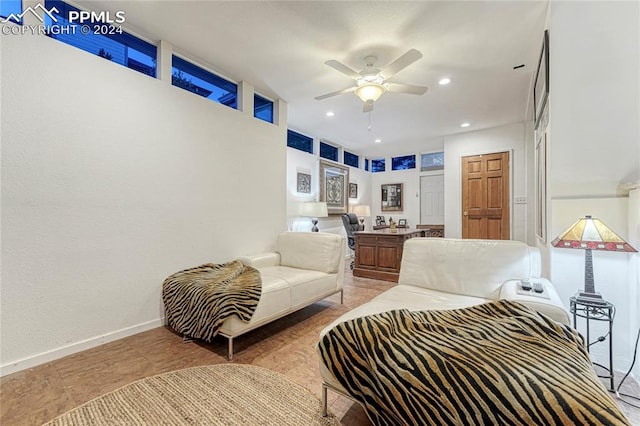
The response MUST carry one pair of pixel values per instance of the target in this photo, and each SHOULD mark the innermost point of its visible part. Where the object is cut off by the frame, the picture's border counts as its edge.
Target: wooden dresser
(379, 252)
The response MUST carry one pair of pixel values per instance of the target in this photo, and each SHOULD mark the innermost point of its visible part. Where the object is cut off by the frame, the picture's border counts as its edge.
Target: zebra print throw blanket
(198, 300)
(499, 363)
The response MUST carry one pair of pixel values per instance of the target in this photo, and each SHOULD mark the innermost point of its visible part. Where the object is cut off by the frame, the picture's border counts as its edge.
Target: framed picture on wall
(353, 190)
(334, 180)
(304, 183)
(541, 82)
(391, 197)
(541, 187)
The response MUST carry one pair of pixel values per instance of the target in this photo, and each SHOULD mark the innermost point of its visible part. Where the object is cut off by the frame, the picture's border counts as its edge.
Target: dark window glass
(298, 141)
(403, 163)
(194, 79)
(377, 165)
(104, 40)
(351, 159)
(366, 164)
(262, 108)
(328, 151)
(10, 9)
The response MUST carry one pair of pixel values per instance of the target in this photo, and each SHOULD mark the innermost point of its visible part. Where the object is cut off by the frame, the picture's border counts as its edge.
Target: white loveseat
(440, 273)
(303, 268)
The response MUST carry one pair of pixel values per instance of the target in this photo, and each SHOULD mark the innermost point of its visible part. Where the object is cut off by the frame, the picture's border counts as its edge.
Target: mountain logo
(34, 11)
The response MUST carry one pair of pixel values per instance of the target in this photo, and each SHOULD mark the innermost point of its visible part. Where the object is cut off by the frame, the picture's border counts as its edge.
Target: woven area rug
(222, 394)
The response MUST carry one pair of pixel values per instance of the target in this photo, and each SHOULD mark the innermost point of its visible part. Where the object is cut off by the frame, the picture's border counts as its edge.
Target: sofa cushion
(311, 250)
(467, 267)
(274, 299)
(408, 297)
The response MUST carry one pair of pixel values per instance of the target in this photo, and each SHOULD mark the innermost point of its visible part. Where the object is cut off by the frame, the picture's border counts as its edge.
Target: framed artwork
(402, 223)
(541, 187)
(541, 82)
(304, 183)
(353, 190)
(391, 197)
(380, 220)
(334, 180)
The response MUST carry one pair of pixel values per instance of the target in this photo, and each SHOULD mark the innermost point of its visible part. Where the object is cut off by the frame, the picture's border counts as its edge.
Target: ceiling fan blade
(337, 92)
(406, 88)
(339, 66)
(402, 62)
(368, 106)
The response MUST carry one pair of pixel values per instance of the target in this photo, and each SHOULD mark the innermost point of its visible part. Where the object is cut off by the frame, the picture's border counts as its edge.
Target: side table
(595, 310)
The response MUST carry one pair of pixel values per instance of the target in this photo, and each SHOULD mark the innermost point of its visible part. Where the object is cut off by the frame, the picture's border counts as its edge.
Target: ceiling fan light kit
(371, 83)
(370, 92)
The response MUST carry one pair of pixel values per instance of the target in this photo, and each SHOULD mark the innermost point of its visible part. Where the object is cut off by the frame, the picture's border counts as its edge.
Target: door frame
(511, 180)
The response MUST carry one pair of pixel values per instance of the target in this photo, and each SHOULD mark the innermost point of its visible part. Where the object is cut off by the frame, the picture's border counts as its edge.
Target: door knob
(465, 213)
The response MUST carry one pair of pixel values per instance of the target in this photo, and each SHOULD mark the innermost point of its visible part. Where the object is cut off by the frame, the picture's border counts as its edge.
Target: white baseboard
(35, 360)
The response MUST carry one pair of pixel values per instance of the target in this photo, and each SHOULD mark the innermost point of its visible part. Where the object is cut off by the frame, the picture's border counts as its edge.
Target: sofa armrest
(261, 260)
(548, 304)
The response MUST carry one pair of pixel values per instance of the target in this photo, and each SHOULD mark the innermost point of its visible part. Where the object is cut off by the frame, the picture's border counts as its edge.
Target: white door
(432, 199)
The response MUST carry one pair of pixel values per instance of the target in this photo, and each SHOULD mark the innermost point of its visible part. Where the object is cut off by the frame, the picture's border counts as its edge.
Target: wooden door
(485, 196)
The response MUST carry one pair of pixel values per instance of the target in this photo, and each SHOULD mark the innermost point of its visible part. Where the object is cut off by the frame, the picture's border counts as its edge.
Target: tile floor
(33, 396)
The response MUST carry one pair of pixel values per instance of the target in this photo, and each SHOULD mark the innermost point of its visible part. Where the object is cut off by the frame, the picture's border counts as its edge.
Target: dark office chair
(351, 224)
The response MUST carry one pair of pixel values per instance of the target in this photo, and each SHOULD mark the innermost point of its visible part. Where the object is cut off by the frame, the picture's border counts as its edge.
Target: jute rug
(222, 394)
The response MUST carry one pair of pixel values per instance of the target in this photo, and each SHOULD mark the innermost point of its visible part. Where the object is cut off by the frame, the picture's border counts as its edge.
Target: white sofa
(440, 273)
(303, 268)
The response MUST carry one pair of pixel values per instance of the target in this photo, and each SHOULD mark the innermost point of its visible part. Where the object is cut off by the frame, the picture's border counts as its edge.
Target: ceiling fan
(371, 82)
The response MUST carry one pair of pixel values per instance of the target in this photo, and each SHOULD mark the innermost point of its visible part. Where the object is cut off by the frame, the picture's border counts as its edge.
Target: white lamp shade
(362, 210)
(370, 92)
(314, 209)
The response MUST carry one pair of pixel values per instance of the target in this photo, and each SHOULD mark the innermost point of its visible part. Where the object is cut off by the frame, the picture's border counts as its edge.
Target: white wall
(298, 161)
(594, 147)
(498, 139)
(111, 181)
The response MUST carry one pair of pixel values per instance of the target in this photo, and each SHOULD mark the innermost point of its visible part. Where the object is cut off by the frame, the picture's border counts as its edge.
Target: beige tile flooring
(33, 396)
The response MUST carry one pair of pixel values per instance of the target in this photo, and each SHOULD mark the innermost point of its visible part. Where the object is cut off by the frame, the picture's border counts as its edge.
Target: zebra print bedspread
(499, 363)
(198, 300)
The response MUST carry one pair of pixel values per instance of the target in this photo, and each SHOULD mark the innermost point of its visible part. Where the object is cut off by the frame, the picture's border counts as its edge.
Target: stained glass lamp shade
(591, 234)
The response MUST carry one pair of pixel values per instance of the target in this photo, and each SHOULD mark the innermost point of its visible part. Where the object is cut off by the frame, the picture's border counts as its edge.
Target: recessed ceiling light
(378, 140)
(444, 81)
(465, 125)
(330, 113)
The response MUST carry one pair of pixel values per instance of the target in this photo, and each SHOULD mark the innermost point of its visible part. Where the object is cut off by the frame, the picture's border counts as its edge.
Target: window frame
(268, 102)
(384, 164)
(310, 140)
(346, 153)
(393, 166)
(200, 72)
(324, 143)
(125, 39)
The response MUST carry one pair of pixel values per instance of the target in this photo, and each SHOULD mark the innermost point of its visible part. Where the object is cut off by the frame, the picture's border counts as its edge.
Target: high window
(432, 161)
(107, 41)
(351, 159)
(329, 152)
(366, 164)
(298, 141)
(194, 79)
(262, 108)
(10, 9)
(403, 163)
(377, 165)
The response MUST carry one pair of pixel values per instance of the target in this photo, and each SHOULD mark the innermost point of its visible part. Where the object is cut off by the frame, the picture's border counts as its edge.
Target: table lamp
(314, 210)
(590, 234)
(362, 211)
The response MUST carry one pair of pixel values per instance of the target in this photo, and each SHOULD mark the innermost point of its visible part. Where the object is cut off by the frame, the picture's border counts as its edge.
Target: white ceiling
(280, 48)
